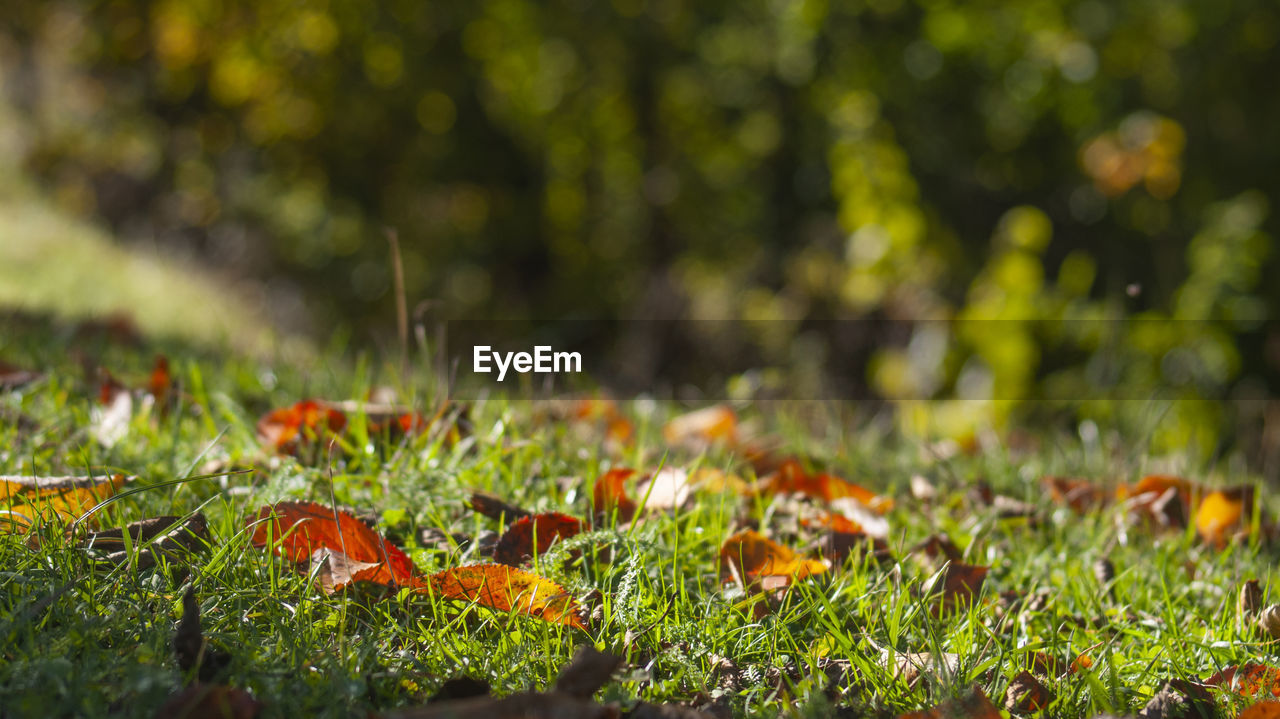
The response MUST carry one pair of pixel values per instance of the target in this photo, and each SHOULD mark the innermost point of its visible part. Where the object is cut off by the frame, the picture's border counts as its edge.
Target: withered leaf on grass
(518, 542)
(750, 558)
(12, 376)
(1262, 710)
(702, 427)
(508, 589)
(66, 498)
(162, 535)
(209, 701)
(495, 507)
(1248, 680)
(1081, 495)
(190, 647)
(287, 429)
(960, 584)
(610, 494)
(1161, 499)
(973, 705)
(1026, 694)
(791, 477)
(298, 529)
(1222, 513)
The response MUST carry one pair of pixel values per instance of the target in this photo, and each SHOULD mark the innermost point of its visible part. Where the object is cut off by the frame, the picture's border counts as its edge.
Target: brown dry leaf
(938, 548)
(703, 427)
(1177, 699)
(525, 705)
(1081, 495)
(169, 536)
(335, 570)
(191, 649)
(1222, 513)
(911, 666)
(286, 430)
(210, 701)
(589, 670)
(298, 529)
(518, 542)
(1026, 694)
(1264, 710)
(1248, 680)
(1159, 498)
(508, 589)
(610, 494)
(974, 705)
(749, 558)
(66, 498)
(495, 507)
(12, 376)
(960, 585)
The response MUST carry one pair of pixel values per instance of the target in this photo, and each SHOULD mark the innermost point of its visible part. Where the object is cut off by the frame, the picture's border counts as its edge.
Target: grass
(82, 638)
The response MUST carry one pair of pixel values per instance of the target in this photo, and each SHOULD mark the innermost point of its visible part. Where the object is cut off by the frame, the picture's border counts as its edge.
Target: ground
(87, 637)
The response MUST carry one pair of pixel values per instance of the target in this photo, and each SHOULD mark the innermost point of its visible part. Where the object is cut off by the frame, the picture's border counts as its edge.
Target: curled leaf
(749, 557)
(299, 529)
(508, 589)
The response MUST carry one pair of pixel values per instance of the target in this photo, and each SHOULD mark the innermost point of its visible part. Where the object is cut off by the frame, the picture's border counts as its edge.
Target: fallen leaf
(938, 548)
(298, 529)
(1248, 680)
(1269, 621)
(505, 588)
(335, 570)
(1161, 499)
(1080, 495)
(191, 649)
(589, 670)
(518, 542)
(702, 427)
(792, 478)
(160, 382)
(168, 536)
(609, 495)
(210, 701)
(13, 377)
(750, 558)
(1222, 513)
(960, 585)
(1264, 710)
(668, 488)
(1026, 694)
(286, 430)
(495, 507)
(524, 705)
(1179, 699)
(973, 705)
(68, 498)
(910, 667)
(109, 420)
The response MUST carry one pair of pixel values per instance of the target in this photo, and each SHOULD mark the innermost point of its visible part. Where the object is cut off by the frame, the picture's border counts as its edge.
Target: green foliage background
(1056, 165)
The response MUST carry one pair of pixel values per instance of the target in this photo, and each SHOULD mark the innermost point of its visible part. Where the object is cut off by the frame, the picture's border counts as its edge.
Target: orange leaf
(749, 555)
(317, 527)
(609, 494)
(974, 705)
(1248, 679)
(159, 382)
(791, 477)
(835, 522)
(703, 426)
(286, 429)
(1264, 710)
(63, 497)
(517, 543)
(1080, 495)
(508, 589)
(1222, 512)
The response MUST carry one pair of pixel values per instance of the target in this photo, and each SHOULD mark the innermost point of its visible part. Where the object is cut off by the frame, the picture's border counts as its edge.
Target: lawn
(1101, 606)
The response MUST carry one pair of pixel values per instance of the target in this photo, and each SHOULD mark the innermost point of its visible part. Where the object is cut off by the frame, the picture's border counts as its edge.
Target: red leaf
(285, 430)
(517, 543)
(609, 494)
(1248, 680)
(298, 529)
